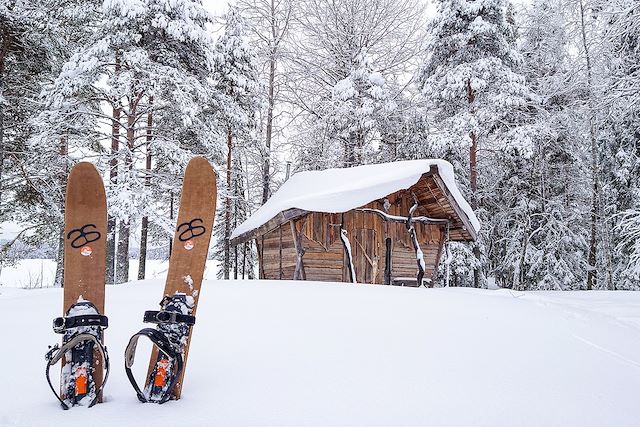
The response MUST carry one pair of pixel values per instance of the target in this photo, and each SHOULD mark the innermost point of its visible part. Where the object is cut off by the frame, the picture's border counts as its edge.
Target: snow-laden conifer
(146, 58)
(236, 80)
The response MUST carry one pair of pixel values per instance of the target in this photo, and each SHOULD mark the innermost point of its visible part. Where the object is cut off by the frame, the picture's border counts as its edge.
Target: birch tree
(344, 69)
(270, 25)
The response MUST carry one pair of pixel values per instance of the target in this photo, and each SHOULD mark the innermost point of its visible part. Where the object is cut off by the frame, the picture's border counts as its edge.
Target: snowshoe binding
(82, 327)
(173, 321)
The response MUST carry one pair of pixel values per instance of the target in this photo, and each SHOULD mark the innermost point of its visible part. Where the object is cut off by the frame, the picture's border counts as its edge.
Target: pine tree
(472, 81)
(237, 82)
(538, 203)
(146, 58)
(358, 105)
(36, 39)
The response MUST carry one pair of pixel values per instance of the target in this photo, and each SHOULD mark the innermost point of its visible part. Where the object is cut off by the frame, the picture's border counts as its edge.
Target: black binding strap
(168, 317)
(60, 324)
(56, 353)
(163, 344)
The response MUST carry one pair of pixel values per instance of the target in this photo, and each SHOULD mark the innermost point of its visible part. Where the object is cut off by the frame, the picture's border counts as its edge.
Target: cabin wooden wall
(324, 258)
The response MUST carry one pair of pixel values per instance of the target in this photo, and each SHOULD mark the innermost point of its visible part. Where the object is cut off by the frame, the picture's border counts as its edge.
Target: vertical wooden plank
(280, 273)
(260, 249)
(437, 261)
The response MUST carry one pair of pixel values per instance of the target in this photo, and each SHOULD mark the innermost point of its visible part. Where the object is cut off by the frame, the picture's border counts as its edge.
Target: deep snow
(320, 354)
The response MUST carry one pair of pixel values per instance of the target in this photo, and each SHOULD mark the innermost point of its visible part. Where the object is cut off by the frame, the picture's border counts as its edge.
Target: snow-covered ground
(39, 273)
(268, 353)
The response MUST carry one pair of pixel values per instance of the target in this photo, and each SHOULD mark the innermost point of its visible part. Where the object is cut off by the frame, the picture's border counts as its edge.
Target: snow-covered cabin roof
(341, 190)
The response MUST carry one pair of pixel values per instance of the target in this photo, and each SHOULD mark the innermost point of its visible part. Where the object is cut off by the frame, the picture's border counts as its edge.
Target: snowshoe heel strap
(162, 316)
(163, 344)
(61, 324)
(56, 353)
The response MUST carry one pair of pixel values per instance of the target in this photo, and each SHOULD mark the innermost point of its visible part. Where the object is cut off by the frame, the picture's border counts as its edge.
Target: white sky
(217, 7)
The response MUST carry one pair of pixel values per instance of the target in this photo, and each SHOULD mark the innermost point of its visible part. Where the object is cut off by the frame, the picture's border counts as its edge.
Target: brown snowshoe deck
(85, 234)
(191, 242)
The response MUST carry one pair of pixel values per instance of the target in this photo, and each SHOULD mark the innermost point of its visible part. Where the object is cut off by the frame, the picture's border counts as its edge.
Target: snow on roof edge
(343, 189)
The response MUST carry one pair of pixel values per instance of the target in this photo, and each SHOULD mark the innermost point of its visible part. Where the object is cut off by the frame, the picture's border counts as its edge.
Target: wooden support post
(416, 245)
(444, 237)
(298, 273)
(280, 253)
(260, 248)
(387, 261)
(346, 245)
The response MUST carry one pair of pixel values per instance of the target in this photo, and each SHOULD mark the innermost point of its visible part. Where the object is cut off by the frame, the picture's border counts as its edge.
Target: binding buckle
(166, 316)
(163, 316)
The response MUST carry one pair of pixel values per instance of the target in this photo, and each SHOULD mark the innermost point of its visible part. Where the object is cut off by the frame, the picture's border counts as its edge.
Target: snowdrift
(310, 354)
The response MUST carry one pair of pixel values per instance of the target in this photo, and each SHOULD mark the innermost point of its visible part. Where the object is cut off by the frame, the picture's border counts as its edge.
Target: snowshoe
(174, 321)
(82, 327)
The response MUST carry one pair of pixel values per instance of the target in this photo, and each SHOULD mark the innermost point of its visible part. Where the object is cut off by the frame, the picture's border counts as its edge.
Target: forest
(536, 104)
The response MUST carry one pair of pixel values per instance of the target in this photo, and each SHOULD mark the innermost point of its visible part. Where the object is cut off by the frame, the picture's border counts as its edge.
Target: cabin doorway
(366, 259)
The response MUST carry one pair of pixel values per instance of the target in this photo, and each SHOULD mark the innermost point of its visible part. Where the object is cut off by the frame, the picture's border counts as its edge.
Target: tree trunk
(113, 180)
(7, 40)
(244, 259)
(58, 280)
(350, 151)
(122, 263)
(1, 130)
(473, 170)
(266, 167)
(144, 232)
(236, 194)
(122, 258)
(595, 190)
(64, 172)
(473, 151)
(473, 178)
(227, 208)
(235, 262)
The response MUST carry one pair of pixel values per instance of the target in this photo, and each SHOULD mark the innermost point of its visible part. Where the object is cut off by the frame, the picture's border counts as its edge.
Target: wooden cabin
(368, 224)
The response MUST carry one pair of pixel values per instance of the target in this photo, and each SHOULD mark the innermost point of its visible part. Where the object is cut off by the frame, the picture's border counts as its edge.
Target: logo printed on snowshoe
(83, 236)
(191, 229)
(188, 245)
(86, 251)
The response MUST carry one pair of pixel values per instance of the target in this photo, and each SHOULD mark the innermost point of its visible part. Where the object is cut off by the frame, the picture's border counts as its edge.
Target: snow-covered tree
(23, 62)
(270, 25)
(471, 78)
(346, 61)
(537, 201)
(36, 39)
(146, 58)
(357, 106)
(236, 79)
(621, 140)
